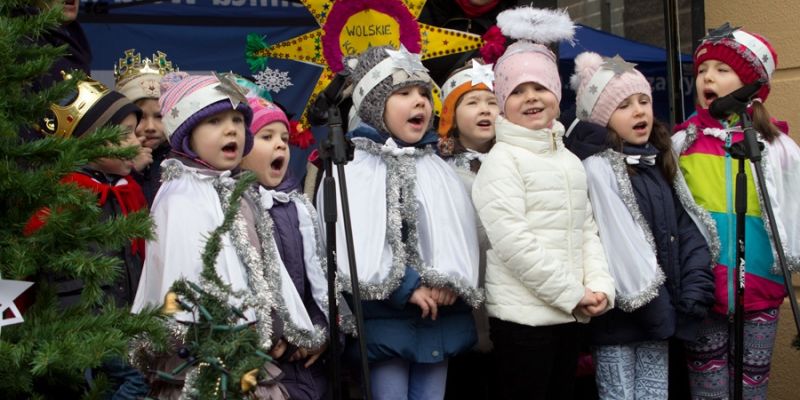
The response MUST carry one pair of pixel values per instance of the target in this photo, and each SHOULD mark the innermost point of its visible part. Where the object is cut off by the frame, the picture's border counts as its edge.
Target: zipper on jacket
(553, 139)
(569, 207)
(731, 220)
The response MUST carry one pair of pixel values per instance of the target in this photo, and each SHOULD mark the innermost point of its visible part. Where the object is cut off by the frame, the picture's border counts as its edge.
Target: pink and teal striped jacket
(710, 174)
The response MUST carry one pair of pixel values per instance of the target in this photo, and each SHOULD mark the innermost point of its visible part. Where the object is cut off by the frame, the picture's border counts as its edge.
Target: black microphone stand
(750, 149)
(337, 149)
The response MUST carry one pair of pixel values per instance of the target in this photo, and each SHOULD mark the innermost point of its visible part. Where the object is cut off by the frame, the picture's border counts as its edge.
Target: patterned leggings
(637, 371)
(710, 357)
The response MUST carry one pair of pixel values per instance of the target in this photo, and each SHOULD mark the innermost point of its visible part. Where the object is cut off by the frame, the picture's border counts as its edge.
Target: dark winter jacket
(683, 256)
(115, 198)
(150, 178)
(300, 382)
(582, 138)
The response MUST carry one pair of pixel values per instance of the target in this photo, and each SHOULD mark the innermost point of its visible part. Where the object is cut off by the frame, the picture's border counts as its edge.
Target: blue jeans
(398, 379)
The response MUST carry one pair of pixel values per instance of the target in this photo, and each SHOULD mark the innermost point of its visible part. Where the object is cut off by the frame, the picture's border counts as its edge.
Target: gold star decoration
(349, 27)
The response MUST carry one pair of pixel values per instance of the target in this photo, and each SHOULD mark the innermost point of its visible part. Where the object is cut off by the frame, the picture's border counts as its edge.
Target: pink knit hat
(602, 84)
(529, 59)
(186, 100)
(265, 113)
(523, 62)
(751, 56)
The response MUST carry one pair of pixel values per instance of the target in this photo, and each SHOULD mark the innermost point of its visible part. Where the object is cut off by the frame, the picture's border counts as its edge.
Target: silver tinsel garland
(617, 162)
(401, 207)
(460, 161)
(268, 274)
(261, 290)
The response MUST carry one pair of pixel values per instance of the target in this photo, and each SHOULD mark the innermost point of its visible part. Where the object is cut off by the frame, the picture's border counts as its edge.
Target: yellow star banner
(348, 27)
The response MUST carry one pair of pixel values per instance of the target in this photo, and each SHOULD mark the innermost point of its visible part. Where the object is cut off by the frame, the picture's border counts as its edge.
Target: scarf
(473, 11)
(126, 191)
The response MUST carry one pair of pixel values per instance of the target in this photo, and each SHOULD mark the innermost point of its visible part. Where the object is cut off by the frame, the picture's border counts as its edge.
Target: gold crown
(131, 65)
(61, 119)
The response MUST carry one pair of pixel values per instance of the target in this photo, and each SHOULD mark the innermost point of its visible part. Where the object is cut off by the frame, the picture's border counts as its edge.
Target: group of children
(637, 239)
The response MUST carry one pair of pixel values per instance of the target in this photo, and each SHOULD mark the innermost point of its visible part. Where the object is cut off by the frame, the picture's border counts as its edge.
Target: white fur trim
(536, 24)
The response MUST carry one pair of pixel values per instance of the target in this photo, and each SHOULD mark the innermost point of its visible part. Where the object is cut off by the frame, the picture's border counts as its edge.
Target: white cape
(438, 216)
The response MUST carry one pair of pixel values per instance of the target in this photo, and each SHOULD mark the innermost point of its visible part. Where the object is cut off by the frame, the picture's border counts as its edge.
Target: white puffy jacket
(531, 196)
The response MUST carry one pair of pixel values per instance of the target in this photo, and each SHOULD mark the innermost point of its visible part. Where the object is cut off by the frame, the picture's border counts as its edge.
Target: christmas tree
(49, 354)
(222, 351)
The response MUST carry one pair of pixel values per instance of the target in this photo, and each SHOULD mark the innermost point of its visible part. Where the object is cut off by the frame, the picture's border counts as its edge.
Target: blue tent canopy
(607, 44)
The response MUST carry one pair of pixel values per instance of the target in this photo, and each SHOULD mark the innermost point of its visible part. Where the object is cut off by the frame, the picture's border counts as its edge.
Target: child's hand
(600, 307)
(589, 299)
(278, 349)
(313, 355)
(143, 159)
(444, 296)
(422, 297)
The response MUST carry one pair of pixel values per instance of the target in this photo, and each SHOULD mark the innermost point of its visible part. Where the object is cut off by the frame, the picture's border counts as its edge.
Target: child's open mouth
(641, 127)
(230, 149)
(417, 121)
(709, 96)
(277, 164)
(485, 123)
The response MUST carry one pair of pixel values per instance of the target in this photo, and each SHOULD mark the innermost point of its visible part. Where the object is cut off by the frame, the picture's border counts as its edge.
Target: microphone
(330, 96)
(735, 102)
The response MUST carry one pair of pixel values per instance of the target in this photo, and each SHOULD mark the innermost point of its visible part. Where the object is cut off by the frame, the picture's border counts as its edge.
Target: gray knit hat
(402, 69)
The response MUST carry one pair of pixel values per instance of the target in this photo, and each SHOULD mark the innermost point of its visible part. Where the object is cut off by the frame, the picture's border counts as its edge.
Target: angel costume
(413, 225)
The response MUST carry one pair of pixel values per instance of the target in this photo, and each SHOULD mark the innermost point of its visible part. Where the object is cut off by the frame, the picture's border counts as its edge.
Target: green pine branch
(46, 355)
(219, 345)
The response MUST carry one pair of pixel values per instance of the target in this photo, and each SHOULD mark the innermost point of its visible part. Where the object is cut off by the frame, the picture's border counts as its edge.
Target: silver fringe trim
(299, 198)
(715, 244)
(792, 262)
(401, 206)
(189, 391)
(461, 162)
(173, 170)
(141, 352)
(260, 288)
(691, 136)
(688, 202)
(629, 303)
(266, 276)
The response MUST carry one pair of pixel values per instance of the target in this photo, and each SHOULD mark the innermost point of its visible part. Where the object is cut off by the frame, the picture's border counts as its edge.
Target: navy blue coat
(150, 178)
(301, 382)
(683, 255)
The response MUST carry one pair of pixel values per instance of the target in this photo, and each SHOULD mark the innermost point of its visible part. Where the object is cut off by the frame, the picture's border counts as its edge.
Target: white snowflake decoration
(273, 80)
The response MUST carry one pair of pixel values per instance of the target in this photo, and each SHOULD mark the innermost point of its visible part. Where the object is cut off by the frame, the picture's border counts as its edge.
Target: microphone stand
(337, 149)
(750, 149)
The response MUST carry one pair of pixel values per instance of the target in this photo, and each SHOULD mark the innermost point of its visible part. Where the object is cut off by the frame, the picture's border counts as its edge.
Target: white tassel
(543, 26)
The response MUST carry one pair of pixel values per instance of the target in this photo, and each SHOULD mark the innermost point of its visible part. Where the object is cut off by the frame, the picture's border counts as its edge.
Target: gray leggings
(636, 371)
